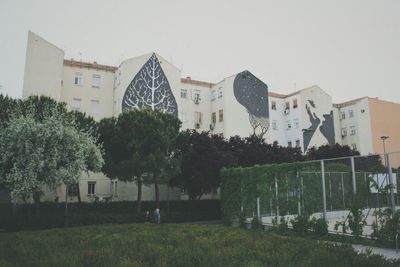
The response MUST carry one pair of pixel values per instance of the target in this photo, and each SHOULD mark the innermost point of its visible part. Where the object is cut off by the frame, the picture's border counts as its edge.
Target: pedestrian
(147, 217)
(157, 216)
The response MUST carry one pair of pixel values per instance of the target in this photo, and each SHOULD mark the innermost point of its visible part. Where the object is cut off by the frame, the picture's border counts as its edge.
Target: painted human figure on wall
(309, 132)
(327, 128)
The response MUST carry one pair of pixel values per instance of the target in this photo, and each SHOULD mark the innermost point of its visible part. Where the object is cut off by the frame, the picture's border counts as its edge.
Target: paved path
(386, 252)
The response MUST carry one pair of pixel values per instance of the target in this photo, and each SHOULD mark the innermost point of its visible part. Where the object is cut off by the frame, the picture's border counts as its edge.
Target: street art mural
(150, 89)
(252, 94)
(326, 128)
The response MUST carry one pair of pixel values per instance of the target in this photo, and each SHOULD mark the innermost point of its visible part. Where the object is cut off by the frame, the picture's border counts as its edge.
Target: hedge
(49, 214)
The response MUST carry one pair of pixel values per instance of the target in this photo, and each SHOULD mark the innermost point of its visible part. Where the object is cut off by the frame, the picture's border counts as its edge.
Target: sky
(350, 48)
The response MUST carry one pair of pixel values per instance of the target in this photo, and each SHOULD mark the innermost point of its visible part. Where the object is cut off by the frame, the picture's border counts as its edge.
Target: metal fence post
(323, 187)
(258, 208)
(353, 175)
(344, 203)
(298, 195)
(277, 200)
(391, 186)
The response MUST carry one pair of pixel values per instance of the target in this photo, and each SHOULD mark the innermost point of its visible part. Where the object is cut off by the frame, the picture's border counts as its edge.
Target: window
(273, 105)
(91, 189)
(351, 113)
(196, 94)
(289, 144)
(274, 125)
(344, 132)
(220, 93)
(287, 105)
(76, 104)
(78, 78)
(183, 116)
(296, 124)
(96, 80)
(342, 115)
(295, 105)
(198, 117)
(354, 146)
(183, 93)
(220, 115)
(288, 125)
(297, 143)
(352, 130)
(72, 190)
(213, 95)
(95, 106)
(214, 117)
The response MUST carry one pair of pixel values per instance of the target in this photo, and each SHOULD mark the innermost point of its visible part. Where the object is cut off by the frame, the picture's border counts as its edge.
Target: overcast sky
(350, 48)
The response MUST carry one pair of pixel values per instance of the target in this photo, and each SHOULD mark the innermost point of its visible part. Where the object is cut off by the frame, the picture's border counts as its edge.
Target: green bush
(50, 214)
(356, 221)
(173, 245)
(301, 224)
(387, 226)
(256, 224)
(319, 226)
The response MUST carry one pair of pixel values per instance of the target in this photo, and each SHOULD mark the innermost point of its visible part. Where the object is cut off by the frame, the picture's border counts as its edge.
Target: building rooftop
(188, 80)
(348, 103)
(89, 65)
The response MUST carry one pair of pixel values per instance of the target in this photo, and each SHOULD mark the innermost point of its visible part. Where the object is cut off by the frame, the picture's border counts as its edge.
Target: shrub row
(49, 215)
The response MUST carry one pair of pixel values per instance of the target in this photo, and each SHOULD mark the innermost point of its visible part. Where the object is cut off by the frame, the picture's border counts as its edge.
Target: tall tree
(139, 146)
(201, 162)
(43, 154)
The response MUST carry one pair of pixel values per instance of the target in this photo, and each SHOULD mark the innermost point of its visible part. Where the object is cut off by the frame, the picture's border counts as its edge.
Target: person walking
(157, 216)
(147, 217)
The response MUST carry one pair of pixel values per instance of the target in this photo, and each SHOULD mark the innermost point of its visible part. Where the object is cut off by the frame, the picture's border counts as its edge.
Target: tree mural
(252, 93)
(150, 89)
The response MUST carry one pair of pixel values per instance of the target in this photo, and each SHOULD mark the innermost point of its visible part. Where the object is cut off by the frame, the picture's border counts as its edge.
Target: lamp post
(383, 138)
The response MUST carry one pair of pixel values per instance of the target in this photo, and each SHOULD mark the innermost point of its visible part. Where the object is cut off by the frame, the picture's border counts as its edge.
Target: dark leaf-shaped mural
(252, 93)
(309, 132)
(150, 89)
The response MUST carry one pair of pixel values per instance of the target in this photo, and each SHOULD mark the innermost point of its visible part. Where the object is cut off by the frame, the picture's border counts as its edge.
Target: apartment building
(240, 104)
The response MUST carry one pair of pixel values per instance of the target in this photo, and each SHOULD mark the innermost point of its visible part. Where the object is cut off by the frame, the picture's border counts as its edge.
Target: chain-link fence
(329, 188)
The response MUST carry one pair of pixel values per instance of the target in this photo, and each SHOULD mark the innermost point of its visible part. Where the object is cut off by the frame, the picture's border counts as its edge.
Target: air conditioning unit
(212, 126)
(197, 125)
(197, 100)
(287, 111)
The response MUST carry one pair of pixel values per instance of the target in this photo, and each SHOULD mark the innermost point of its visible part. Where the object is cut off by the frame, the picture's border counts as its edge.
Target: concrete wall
(43, 68)
(383, 123)
(87, 92)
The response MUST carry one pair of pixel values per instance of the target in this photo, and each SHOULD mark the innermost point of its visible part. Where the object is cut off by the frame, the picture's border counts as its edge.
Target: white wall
(104, 94)
(43, 68)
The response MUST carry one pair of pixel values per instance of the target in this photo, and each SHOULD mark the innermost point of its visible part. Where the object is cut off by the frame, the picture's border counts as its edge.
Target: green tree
(43, 154)
(202, 158)
(139, 147)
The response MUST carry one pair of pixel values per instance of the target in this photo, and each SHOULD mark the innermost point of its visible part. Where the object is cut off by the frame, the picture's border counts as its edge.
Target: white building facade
(238, 105)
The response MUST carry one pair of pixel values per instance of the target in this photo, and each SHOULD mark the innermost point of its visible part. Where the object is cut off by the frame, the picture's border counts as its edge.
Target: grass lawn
(172, 245)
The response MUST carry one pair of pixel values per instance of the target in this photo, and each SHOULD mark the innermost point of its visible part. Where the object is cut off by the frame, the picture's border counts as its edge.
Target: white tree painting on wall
(150, 89)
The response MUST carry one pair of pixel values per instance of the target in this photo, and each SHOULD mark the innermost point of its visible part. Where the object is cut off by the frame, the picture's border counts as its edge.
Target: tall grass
(172, 245)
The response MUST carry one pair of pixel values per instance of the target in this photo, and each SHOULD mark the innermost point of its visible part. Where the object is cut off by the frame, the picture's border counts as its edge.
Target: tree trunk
(78, 192)
(157, 193)
(66, 207)
(36, 199)
(139, 196)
